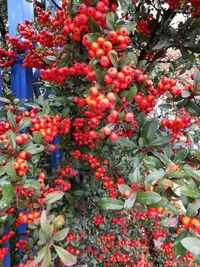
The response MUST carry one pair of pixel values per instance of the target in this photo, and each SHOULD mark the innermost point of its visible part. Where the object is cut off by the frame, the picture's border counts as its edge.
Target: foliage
(126, 189)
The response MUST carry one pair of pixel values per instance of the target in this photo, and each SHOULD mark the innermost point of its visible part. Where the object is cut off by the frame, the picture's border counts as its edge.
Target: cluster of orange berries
(98, 100)
(190, 222)
(27, 218)
(21, 165)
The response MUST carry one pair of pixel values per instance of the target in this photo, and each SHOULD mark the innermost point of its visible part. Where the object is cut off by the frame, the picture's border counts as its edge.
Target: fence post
(21, 78)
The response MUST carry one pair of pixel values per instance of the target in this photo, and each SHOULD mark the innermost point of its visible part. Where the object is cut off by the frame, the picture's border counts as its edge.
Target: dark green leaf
(100, 76)
(111, 204)
(11, 118)
(114, 60)
(11, 137)
(131, 93)
(37, 137)
(93, 26)
(125, 61)
(153, 177)
(10, 170)
(148, 198)
(3, 144)
(92, 37)
(160, 141)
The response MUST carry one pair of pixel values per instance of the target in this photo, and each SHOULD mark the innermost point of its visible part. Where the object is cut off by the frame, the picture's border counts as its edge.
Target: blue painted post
(21, 78)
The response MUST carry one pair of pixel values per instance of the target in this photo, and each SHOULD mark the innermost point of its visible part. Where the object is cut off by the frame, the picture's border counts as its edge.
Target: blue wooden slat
(56, 155)
(19, 11)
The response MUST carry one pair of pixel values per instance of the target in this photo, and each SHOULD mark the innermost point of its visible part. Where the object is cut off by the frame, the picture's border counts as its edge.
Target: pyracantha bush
(105, 171)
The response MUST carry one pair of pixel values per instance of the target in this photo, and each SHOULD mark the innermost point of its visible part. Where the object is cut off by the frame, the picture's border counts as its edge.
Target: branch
(56, 4)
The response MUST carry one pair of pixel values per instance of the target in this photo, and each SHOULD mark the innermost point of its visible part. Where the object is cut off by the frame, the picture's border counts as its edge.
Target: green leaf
(37, 137)
(169, 222)
(179, 250)
(171, 208)
(110, 204)
(162, 157)
(189, 191)
(5, 100)
(61, 235)
(3, 144)
(153, 177)
(34, 149)
(193, 208)
(24, 123)
(47, 261)
(161, 44)
(11, 118)
(113, 59)
(196, 77)
(8, 193)
(130, 26)
(11, 137)
(191, 172)
(100, 76)
(49, 59)
(110, 20)
(66, 257)
(123, 187)
(128, 204)
(131, 93)
(160, 141)
(32, 183)
(133, 57)
(192, 244)
(10, 171)
(125, 142)
(45, 225)
(125, 61)
(150, 129)
(53, 197)
(93, 26)
(92, 37)
(40, 256)
(148, 198)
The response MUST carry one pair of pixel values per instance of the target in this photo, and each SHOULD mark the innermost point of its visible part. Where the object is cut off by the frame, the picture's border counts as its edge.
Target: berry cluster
(27, 218)
(7, 236)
